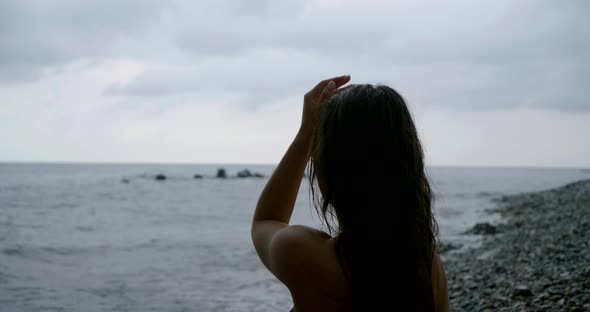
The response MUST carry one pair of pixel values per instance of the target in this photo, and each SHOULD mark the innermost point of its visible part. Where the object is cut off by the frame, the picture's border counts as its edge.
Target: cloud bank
(239, 60)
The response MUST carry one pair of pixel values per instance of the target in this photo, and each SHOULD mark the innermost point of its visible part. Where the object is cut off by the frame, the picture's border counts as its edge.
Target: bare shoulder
(302, 231)
(303, 256)
(439, 279)
(297, 244)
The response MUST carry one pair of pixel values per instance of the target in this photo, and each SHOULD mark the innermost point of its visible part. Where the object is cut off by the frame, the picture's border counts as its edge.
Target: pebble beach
(537, 259)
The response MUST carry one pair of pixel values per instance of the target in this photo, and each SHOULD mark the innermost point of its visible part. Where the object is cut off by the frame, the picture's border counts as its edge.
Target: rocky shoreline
(538, 260)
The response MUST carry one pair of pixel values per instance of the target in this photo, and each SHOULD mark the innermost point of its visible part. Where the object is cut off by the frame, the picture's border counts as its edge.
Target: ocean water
(74, 237)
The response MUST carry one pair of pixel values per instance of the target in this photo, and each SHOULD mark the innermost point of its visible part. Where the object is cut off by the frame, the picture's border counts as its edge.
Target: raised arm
(277, 200)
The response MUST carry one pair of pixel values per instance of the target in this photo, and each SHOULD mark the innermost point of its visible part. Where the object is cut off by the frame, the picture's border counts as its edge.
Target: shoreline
(538, 259)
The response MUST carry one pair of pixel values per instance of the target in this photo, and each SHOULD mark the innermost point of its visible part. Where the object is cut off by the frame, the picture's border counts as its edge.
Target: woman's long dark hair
(369, 165)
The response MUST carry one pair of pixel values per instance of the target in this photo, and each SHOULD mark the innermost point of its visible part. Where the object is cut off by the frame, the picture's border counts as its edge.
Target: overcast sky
(493, 83)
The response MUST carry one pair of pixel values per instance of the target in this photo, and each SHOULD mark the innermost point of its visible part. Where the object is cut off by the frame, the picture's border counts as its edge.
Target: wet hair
(368, 163)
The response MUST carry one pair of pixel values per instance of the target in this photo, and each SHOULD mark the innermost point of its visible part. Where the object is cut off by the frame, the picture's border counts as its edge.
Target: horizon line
(60, 162)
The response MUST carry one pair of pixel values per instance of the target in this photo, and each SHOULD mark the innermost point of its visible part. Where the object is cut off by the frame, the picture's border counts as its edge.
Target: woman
(367, 160)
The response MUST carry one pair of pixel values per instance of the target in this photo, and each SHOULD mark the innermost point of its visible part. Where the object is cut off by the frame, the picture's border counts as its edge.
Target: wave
(488, 194)
(39, 253)
(468, 195)
(85, 228)
(45, 253)
(4, 277)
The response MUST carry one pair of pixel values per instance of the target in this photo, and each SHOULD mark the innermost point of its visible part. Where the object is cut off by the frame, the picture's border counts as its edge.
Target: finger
(328, 91)
(339, 81)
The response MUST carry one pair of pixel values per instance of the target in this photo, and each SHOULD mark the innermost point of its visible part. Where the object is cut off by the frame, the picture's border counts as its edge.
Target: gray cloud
(251, 81)
(35, 35)
(460, 55)
(492, 83)
(463, 55)
(459, 31)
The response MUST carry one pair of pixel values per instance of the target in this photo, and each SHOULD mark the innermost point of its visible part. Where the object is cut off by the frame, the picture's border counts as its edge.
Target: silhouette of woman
(367, 179)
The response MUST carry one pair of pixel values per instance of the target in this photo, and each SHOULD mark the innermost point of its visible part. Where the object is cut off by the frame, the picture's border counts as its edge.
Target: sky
(489, 83)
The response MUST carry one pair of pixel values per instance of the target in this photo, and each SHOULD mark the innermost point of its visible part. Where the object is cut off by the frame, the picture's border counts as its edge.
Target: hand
(313, 100)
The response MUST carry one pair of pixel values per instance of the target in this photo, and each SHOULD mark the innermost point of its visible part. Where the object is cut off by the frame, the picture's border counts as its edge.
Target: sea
(110, 237)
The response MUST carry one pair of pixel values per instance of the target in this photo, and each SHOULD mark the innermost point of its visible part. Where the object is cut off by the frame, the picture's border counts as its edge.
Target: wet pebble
(534, 265)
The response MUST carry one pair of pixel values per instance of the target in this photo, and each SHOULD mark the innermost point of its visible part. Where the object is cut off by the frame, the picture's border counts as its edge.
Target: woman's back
(321, 285)
(367, 179)
(381, 209)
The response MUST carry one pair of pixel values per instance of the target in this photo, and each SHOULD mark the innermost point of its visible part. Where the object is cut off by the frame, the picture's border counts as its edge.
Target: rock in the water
(244, 173)
(126, 181)
(221, 173)
(522, 291)
(482, 229)
(258, 175)
(197, 176)
(160, 177)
